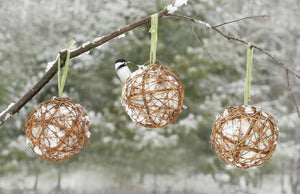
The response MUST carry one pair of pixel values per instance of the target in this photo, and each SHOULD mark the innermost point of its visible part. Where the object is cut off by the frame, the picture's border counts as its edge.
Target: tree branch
(258, 48)
(11, 110)
(288, 70)
(215, 28)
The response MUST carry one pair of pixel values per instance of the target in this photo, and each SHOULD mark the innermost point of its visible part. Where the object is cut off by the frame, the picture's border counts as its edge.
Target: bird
(122, 70)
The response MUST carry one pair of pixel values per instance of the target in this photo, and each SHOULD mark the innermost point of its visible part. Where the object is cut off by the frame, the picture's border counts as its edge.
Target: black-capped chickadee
(122, 70)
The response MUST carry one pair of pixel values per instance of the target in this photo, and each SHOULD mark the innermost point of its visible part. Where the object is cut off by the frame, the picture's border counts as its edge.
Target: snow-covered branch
(52, 68)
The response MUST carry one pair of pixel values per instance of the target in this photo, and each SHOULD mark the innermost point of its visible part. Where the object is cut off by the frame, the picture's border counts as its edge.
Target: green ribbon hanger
(61, 82)
(153, 31)
(248, 74)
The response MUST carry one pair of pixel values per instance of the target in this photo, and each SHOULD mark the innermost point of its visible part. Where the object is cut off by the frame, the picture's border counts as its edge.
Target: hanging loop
(61, 81)
(153, 31)
(248, 74)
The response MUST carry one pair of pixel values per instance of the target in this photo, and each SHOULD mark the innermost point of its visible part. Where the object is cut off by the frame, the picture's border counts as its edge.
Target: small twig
(205, 49)
(238, 20)
(291, 92)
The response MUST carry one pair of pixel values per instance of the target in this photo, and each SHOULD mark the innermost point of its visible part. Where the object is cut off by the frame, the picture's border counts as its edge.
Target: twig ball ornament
(153, 96)
(57, 129)
(244, 137)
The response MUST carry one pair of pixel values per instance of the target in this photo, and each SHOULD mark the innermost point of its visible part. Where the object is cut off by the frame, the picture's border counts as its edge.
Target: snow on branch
(5, 114)
(175, 5)
(205, 24)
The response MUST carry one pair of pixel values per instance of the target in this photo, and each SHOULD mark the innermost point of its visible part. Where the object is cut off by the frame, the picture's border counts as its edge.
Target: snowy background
(123, 157)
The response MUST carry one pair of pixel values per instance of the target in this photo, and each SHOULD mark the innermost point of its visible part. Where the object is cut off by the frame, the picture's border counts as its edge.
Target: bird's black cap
(120, 60)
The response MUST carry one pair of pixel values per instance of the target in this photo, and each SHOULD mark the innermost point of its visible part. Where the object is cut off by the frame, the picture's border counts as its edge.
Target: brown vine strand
(12, 110)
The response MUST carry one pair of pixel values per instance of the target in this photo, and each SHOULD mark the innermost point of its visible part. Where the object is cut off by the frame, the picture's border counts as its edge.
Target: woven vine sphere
(244, 136)
(57, 129)
(153, 96)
